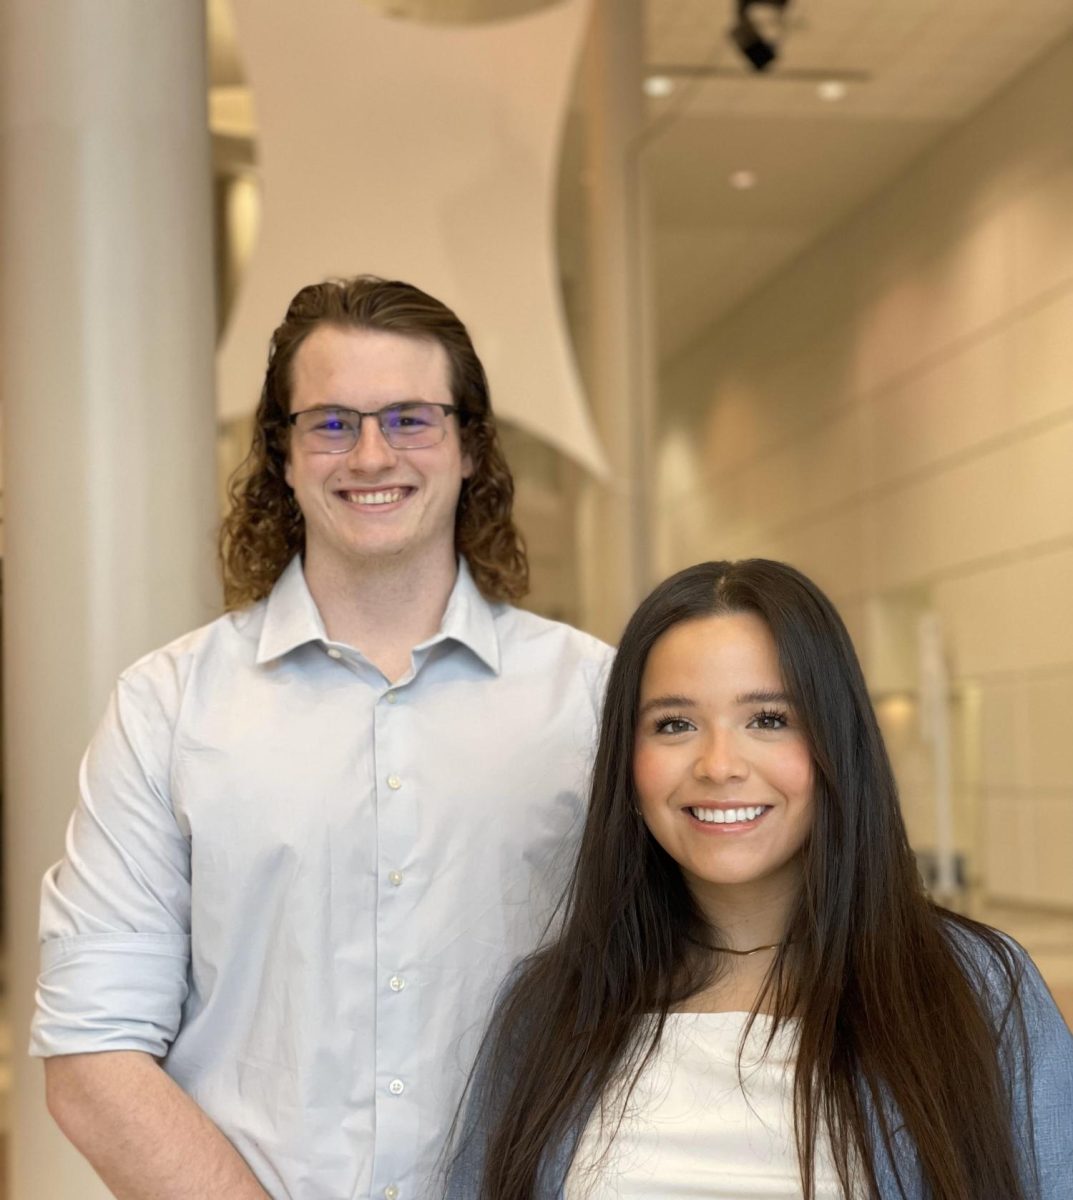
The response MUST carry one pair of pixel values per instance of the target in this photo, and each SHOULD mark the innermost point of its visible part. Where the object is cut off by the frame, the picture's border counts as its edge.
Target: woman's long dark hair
(893, 1029)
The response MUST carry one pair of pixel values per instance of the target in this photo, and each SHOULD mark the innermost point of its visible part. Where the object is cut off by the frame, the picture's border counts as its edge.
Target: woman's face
(723, 772)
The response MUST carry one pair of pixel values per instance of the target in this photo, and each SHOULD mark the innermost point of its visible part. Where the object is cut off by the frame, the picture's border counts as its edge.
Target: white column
(613, 514)
(106, 375)
(935, 729)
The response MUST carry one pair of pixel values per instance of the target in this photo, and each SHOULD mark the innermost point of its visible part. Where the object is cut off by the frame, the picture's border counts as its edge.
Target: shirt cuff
(110, 991)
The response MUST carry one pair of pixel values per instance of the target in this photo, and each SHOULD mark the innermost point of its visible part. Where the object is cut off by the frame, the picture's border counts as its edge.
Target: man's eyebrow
(331, 405)
(666, 702)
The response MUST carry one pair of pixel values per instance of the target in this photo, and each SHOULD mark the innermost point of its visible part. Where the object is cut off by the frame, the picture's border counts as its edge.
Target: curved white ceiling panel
(418, 152)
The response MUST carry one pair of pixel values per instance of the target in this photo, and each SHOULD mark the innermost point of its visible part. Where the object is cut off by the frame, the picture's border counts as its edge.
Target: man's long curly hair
(264, 528)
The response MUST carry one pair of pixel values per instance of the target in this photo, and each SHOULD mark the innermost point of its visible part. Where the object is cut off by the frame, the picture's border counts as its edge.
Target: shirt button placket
(398, 995)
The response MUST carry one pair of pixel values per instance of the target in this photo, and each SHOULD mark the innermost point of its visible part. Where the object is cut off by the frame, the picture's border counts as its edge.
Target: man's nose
(372, 451)
(720, 758)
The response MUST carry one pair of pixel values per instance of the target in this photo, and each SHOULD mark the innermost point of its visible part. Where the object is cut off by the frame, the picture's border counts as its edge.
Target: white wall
(894, 414)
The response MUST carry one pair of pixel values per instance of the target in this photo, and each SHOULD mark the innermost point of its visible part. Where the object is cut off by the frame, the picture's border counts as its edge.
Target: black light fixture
(759, 50)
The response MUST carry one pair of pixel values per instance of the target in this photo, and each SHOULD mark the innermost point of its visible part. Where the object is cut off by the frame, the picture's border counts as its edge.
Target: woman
(751, 994)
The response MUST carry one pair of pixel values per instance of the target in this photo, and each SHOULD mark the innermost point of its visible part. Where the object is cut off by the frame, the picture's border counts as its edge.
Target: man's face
(374, 502)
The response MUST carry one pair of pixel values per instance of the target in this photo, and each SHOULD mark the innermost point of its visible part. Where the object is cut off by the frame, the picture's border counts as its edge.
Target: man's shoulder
(552, 656)
(233, 634)
(519, 627)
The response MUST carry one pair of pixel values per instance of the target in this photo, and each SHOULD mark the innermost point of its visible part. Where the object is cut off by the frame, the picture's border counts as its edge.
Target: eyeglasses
(409, 426)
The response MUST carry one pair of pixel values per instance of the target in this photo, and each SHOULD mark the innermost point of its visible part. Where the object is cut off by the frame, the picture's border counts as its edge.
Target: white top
(302, 884)
(689, 1130)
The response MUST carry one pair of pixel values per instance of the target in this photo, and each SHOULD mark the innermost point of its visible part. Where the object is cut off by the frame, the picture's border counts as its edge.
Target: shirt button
(333, 653)
(396, 1087)
(394, 878)
(391, 1192)
(396, 983)
(392, 697)
(394, 782)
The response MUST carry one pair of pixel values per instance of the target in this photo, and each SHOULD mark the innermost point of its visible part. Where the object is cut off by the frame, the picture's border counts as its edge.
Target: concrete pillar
(617, 357)
(106, 378)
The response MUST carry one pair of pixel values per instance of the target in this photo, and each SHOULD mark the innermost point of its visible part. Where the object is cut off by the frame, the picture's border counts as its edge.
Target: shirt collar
(468, 619)
(292, 618)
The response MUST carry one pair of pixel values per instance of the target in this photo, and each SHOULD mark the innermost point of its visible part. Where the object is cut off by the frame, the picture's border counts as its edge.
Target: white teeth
(723, 816)
(367, 498)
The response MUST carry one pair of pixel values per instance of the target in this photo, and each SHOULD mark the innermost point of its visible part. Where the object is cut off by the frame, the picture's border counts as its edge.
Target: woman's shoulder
(1003, 973)
(986, 955)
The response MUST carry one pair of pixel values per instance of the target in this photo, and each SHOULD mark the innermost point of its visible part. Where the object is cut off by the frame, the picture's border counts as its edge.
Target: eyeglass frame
(448, 410)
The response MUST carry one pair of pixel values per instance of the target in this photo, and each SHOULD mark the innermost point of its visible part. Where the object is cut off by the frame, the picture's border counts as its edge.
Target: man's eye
(330, 421)
(409, 420)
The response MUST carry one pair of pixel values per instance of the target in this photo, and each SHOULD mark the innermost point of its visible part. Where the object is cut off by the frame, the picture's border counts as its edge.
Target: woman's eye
(768, 720)
(674, 725)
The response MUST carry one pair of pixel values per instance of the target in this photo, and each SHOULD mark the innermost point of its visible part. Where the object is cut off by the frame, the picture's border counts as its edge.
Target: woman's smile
(722, 767)
(729, 820)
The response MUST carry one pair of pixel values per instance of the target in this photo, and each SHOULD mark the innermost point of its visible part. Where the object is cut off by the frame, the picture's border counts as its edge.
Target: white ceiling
(923, 66)
(914, 69)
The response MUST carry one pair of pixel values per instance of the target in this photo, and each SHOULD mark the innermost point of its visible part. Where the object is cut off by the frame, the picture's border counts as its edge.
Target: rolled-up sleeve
(115, 911)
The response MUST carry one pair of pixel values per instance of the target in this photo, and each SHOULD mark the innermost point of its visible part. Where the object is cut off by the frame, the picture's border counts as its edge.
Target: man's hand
(141, 1132)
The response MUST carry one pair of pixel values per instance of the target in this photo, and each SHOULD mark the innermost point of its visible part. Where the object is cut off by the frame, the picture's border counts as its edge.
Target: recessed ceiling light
(743, 180)
(658, 86)
(832, 89)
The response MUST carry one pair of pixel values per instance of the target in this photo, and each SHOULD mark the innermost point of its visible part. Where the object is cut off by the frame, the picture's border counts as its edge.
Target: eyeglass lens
(404, 426)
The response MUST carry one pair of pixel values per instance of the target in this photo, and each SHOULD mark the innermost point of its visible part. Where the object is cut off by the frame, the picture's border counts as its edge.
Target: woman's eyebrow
(666, 702)
(765, 696)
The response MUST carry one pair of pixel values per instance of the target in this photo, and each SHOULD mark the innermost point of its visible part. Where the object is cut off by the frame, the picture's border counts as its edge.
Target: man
(313, 836)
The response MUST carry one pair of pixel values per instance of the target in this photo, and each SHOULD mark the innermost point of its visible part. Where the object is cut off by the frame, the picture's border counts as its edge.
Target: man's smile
(376, 497)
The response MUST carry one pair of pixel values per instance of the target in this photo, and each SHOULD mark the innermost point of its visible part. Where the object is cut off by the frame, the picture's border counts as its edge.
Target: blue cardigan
(1043, 1110)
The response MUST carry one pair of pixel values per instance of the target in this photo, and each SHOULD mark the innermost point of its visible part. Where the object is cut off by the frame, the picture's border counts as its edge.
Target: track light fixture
(761, 51)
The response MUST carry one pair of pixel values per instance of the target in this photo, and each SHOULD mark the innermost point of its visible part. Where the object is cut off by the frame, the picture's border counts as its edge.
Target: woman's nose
(721, 757)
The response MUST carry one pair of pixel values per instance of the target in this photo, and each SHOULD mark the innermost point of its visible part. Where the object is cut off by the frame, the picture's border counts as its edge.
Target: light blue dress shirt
(300, 884)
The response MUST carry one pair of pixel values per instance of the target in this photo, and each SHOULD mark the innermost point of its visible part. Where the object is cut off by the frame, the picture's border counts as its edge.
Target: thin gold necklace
(746, 953)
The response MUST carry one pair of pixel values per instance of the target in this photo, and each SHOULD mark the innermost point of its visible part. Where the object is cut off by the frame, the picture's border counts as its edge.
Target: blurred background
(783, 279)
